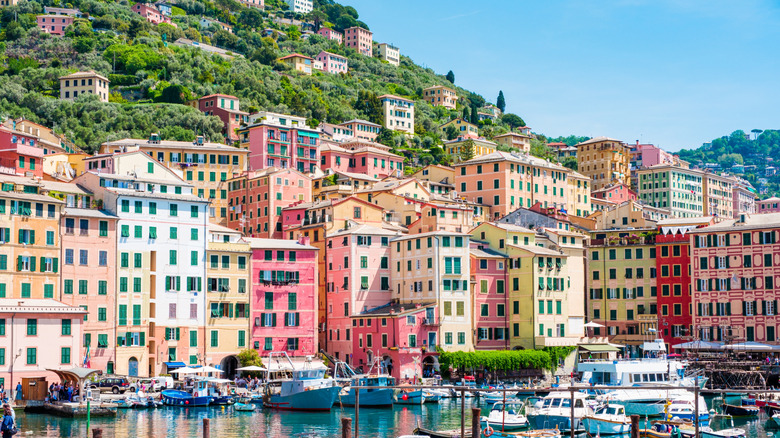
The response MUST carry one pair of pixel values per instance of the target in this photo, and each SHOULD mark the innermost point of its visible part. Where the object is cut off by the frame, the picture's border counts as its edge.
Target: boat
(776, 419)
(540, 433)
(554, 411)
(125, 403)
(741, 411)
(408, 397)
(452, 433)
(197, 396)
(306, 390)
(610, 420)
(505, 416)
(668, 429)
(431, 396)
(683, 409)
(369, 397)
(244, 404)
(496, 396)
(734, 432)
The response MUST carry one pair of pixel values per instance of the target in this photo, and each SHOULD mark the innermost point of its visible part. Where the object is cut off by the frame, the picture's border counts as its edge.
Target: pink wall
(331, 34)
(13, 146)
(306, 303)
(493, 274)
(54, 25)
(619, 193)
(771, 205)
(259, 137)
(376, 165)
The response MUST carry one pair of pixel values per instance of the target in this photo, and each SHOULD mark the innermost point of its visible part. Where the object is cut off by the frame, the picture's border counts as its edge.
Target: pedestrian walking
(8, 426)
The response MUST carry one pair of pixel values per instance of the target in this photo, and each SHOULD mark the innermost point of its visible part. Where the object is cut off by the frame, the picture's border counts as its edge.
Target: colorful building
(439, 95)
(465, 147)
(207, 166)
(398, 113)
(30, 232)
(331, 34)
(516, 140)
(363, 129)
(300, 6)
(280, 140)
(578, 200)
(679, 189)
(359, 39)
(20, 153)
(151, 14)
(489, 277)
(616, 193)
(54, 24)
(734, 275)
(228, 294)
(283, 298)
(228, 109)
(333, 63)
(257, 198)
(605, 161)
(83, 82)
(389, 53)
(769, 205)
(299, 63)
(744, 198)
(358, 279)
(464, 128)
(361, 157)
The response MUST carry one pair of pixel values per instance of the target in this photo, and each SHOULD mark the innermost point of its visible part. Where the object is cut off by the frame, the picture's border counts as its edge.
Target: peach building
(521, 142)
(439, 95)
(54, 24)
(605, 161)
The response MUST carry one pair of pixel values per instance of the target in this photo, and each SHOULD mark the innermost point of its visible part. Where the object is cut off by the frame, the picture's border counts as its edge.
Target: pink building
(360, 156)
(769, 205)
(358, 279)
(615, 193)
(646, 155)
(359, 39)
(54, 24)
(37, 335)
(333, 63)
(489, 277)
(331, 34)
(284, 296)
(396, 333)
(20, 153)
(363, 129)
(227, 108)
(88, 273)
(150, 13)
(280, 140)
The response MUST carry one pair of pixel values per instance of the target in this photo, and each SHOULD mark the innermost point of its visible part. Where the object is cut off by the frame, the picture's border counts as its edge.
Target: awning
(699, 345)
(175, 364)
(599, 348)
(308, 134)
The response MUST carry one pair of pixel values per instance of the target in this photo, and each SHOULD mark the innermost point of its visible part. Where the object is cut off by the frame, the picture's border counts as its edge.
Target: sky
(674, 73)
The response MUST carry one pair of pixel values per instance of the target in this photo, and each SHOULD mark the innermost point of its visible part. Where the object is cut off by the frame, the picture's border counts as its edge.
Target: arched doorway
(229, 365)
(132, 367)
(430, 366)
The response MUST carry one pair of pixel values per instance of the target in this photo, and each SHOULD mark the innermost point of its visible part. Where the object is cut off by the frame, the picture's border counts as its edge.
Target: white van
(163, 382)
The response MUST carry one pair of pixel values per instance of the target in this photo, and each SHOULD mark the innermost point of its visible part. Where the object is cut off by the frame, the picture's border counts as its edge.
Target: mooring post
(346, 427)
(206, 431)
(696, 406)
(475, 413)
(572, 426)
(462, 412)
(357, 411)
(635, 426)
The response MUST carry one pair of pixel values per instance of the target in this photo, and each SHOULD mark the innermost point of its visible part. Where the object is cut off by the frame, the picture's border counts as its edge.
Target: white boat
(610, 420)
(307, 390)
(505, 416)
(734, 432)
(554, 411)
(683, 408)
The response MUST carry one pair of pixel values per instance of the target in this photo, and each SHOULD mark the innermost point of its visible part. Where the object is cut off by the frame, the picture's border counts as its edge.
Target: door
(431, 341)
(132, 367)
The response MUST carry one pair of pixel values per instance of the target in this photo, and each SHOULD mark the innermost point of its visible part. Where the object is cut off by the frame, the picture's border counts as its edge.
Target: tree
(571, 163)
(451, 77)
(466, 114)
(467, 150)
(451, 132)
(368, 103)
(500, 102)
(474, 115)
(513, 120)
(250, 357)
(385, 137)
(728, 160)
(175, 94)
(756, 132)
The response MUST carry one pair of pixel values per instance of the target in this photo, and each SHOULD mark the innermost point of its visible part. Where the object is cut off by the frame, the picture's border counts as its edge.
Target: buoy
(186, 402)
(404, 397)
(487, 431)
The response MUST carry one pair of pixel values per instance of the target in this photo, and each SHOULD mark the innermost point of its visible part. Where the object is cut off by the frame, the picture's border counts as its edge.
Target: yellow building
(464, 128)
(719, 196)
(521, 142)
(298, 62)
(83, 82)
(227, 297)
(605, 161)
(469, 147)
(207, 166)
(439, 95)
(30, 232)
(578, 201)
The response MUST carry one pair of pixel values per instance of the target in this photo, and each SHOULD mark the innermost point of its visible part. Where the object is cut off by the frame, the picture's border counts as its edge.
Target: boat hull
(507, 425)
(378, 398)
(320, 399)
(650, 409)
(741, 411)
(249, 407)
(549, 421)
(173, 397)
(596, 426)
(410, 398)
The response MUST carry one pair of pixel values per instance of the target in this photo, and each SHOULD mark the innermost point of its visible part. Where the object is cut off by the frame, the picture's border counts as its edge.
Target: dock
(71, 410)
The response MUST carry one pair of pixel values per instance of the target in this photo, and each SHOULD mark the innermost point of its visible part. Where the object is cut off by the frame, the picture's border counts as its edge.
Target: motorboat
(497, 396)
(196, 396)
(506, 416)
(609, 420)
(555, 409)
(410, 397)
(540, 433)
(776, 419)
(306, 390)
(684, 408)
(431, 396)
(369, 397)
(244, 404)
(664, 429)
(734, 432)
(431, 433)
(741, 411)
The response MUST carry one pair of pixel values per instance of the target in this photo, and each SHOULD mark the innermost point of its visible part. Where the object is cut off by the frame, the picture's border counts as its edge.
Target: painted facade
(605, 161)
(279, 140)
(84, 82)
(439, 95)
(359, 39)
(398, 113)
(489, 277)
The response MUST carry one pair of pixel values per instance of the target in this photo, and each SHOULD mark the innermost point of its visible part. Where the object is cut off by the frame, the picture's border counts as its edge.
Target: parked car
(117, 385)
(154, 384)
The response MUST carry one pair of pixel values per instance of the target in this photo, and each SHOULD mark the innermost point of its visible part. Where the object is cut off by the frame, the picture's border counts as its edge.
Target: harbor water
(173, 422)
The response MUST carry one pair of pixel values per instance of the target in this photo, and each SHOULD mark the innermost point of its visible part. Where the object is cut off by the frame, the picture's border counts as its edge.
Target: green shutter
(143, 338)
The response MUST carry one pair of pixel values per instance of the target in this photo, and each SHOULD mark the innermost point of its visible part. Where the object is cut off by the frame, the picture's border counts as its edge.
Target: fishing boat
(741, 411)
(408, 397)
(197, 396)
(244, 404)
(555, 410)
(453, 433)
(218, 391)
(306, 390)
(369, 397)
(505, 416)
(609, 420)
(734, 432)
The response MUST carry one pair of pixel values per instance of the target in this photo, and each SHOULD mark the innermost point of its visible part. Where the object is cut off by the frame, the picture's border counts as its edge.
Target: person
(8, 425)
(18, 391)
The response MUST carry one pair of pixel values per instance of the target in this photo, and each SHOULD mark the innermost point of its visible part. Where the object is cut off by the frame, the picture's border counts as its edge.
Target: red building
(361, 156)
(20, 154)
(256, 200)
(396, 333)
(489, 277)
(227, 108)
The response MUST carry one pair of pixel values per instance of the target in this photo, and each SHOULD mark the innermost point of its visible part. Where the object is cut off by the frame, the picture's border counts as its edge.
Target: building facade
(389, 53)
(439, 95)
(398, 113)
(83, 82)
(282, 141)
(359, 39)
(605, 161)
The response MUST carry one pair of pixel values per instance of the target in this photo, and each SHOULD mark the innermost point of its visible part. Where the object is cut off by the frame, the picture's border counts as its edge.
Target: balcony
(431, 322)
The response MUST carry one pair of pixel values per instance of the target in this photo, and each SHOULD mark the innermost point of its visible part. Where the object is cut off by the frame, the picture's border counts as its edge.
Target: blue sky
(672, 73)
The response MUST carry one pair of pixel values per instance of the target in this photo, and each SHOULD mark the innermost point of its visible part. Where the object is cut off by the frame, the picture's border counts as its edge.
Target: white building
(161, 250)
(390, 53)
(398, 113)
(300, 6)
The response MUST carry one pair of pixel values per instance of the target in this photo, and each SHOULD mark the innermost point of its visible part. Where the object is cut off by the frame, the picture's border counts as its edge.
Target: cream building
(83, 82)
(398, 113)
(578, 201)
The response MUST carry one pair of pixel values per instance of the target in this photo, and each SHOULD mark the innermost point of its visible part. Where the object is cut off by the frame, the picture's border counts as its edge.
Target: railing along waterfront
(462, 389)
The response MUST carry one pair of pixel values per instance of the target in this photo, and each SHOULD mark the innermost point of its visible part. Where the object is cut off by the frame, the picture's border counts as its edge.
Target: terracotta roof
(295, 55)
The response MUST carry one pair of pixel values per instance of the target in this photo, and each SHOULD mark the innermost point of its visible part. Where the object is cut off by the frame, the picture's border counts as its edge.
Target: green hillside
(151, 77)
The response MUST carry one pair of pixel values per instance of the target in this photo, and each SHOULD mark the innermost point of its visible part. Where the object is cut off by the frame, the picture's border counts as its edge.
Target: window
(32, 356)
(32, 327)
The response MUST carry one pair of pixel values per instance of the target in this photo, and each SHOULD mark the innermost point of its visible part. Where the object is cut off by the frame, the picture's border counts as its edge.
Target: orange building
(605, 161)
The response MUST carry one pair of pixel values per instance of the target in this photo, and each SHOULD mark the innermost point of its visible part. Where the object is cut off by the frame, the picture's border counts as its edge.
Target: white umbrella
(593, 324)
(209, 369)
(184, 370)
(251, 368)
(748, 346)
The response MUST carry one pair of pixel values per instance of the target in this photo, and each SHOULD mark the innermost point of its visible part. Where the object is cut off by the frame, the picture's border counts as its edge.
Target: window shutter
(755, 307)
(744, 308)
(178, 333)
(32, 264)
(742, 282)
(32, 237)
(142, 335)
(709, 309)
(128, 338)
(728, 309)
(717, 310)
(230, 312)
(696, 241)
(262, 320)
(727, 261)
(700, 307)
(285, 319)
(200, 285)
(55, 264)
(298, 317)
(709, 284)
(19, 263)
(490, 333)
(760, 238)
(43, 264)
(709, 240)
(21, 236)
(763, 307)
(273, 320)
(728, 284)
(728, 239)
